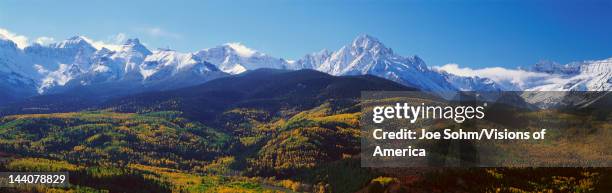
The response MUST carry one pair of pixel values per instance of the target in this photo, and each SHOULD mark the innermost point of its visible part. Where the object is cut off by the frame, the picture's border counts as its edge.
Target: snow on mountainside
(13, 85)
(367, 55)
(169, 67)
(471, 83)
(595, 75)
(235, 58)
(75, 62)
(132, 67)
(556, 68)
(585, 76)
(136, 67)
(57, 64)
(73, 51)
(10, 56)
(311, 61)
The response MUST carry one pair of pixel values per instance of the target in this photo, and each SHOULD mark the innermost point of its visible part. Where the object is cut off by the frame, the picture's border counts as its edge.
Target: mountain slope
(74, 64)
(235, 58)
(367, 55)
(13, 85)
(268, 89)
(595, 75)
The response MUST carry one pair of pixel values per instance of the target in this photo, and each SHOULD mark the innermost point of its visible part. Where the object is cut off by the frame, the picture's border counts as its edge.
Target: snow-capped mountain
(595, 75)
(10, 57)
(574, 77)
(235, 58)
(577, 76)
(463, 83)
(58, 63)
(367, 55)
(46, 59)
(551, 67)
(312, 61)
(132, 67)
(13, 84)
(136, 67)
(171, 69)
(74, 63)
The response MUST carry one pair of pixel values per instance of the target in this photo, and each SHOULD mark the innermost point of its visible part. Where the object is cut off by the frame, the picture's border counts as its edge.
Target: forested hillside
(263, 131)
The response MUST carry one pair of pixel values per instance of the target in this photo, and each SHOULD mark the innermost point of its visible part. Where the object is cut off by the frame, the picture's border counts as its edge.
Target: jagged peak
(369, 43)
(134, 45)
(551, 67)
(72, 42)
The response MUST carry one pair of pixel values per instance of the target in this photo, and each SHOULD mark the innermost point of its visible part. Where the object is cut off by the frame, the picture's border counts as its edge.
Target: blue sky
(470, 33)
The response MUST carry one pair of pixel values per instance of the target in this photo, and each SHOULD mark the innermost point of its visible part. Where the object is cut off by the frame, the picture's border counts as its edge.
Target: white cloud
(159, 32)
(241, 49)
(20, 40)
(102, 44)
(44, 40)
(518, 77)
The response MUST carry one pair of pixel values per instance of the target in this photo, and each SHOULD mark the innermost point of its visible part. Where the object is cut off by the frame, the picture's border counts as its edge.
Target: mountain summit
(134, 46)
(367, 55)
(132, 67)
(367, 43)
(235, 58)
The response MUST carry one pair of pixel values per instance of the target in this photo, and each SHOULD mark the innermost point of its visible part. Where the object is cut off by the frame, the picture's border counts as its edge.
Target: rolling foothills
(260, 131)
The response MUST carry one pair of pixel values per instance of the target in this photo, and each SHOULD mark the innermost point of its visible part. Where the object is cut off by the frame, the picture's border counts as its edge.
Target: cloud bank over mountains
(516, 79)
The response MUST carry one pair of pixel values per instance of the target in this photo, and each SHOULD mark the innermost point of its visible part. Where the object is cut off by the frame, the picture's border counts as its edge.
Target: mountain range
(76, 65)
(224, 115)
